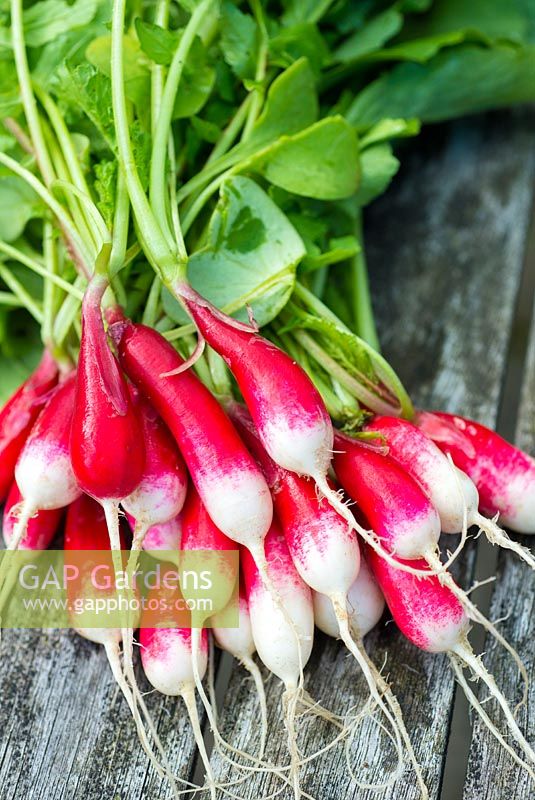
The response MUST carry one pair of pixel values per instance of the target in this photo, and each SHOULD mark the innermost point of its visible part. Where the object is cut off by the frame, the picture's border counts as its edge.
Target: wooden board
(492, 774)
(65, 730)
(445, 251)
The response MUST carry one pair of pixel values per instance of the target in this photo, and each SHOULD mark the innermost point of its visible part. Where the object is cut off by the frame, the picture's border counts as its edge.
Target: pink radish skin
(503, 474)
(434, 620)
(41, 529)
(450, 490)
(324, 549)
(43, 472)
(166, 536)
(393, 503)
(286, 407)
(225, 475)
(365, 605)
(161, 493)
(19, 414)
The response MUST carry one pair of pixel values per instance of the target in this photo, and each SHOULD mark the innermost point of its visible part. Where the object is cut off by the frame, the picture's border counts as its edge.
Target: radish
(240, 644)
(43, 472)
(451, 491)
(287, 410)
(503, 474)
(18, 415)
(403, 516)
(86, 529)
(365, 604)
(432, 618)
(326, 554)
(165, 536)
(273, 636)
(228, 480)
(41, 528)
(166, 655)
(158, 497)
(200, 534)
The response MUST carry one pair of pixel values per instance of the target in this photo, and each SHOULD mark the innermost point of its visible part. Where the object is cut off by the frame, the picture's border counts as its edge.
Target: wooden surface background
(452, 271)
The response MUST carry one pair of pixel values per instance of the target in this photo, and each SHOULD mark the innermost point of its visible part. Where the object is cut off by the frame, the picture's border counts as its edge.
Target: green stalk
(157, 191)
(29, 303)
(153, 300)
(230, 133)
(121, 222)
(76, 246)
(162, 258)
(157, 76)
(7, 299)
(260, 73)
(50, 289)
(68, 311)
(362, 302)
(26, 92)
(39, 269)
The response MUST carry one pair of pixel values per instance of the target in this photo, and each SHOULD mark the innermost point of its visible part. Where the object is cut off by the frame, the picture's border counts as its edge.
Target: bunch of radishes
(132, 425)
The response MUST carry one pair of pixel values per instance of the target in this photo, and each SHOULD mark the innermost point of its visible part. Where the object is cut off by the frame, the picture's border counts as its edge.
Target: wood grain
(445, 250)
(492, 774)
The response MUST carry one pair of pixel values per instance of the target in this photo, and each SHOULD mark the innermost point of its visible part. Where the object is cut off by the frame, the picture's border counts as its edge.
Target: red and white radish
(229, 482)
(274, 635)
(165, 537)
(86, 529)
(398, 509)
(19, 414)
(43, 472)
(240, 644)
(287, 409)
(166, 655)
(451, 490)
(432, 618)
(503, 474)
(326, 554)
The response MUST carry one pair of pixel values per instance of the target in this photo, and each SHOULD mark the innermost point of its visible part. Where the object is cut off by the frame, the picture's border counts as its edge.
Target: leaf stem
(157, 191)
(260, 73)
(157, 76)
(121, 222)
(29, 303)
(161, 256)
(39, 269)
(50, 289)
(27, 95)
(362, 302)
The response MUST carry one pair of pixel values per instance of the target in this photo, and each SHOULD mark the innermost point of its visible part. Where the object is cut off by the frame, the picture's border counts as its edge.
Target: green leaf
(304, 10)
(283, 114)
(86, 88)
(106, 189)
(388, 129)
(378, 165)
(196, 83)
(493, 19)
(371, 37)
(422, 49)
(251, 256)
(136, 67)
(238, 40)
(18, 205)
(9, 89)
(299, 41)
(45, 21)
(340, 249)
(20, 351)
(321, 162)
(156, 42)
(458, 81)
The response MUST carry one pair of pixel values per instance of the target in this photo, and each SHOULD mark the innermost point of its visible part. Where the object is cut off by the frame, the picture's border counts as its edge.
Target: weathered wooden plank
(445, 251)
(492, 774)
(65, 730)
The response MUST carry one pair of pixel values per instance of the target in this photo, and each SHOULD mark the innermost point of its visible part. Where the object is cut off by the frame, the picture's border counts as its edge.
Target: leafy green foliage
(251, 255)
(238, 40)
(18, 205)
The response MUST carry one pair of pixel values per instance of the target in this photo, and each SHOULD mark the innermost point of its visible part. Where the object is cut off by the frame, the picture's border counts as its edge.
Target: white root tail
(475, 614)
(467, 657)
(378, 687)
(476, 705)
(496, 535)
